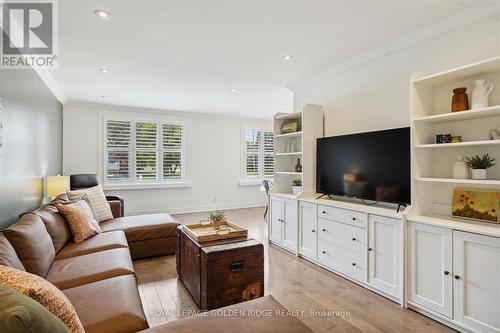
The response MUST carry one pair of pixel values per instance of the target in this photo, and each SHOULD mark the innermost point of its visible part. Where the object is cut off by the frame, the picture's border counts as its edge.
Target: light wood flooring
(294, 282)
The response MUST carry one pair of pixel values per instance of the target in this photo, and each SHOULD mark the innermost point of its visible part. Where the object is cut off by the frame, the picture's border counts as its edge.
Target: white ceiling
(187, 55)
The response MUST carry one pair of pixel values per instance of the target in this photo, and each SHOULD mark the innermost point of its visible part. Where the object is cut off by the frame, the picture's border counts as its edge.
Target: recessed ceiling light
(105, 97)
(233, 89)
(104, 70)
(287, 57)
(102, 14)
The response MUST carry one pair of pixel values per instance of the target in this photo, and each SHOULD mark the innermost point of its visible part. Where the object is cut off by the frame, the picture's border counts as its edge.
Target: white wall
(376, 95)
(213, 152)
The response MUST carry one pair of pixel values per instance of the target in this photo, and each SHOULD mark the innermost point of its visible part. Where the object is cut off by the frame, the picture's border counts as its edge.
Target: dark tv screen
(372, 166)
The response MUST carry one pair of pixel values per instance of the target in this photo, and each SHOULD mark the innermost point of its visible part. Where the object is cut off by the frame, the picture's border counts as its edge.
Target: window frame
(261, 153)
(132, 181)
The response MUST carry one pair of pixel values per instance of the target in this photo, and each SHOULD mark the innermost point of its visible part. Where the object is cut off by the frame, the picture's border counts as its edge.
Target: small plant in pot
(217, 218)
(479, 165)
(297, 186)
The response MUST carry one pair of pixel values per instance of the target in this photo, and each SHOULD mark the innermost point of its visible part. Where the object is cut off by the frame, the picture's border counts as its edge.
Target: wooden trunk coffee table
(221, 272)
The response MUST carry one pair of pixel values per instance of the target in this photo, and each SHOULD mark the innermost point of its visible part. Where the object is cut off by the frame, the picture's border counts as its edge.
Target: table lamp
(57, 185)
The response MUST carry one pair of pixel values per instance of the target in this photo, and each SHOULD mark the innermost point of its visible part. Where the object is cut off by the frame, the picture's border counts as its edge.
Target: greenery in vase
(217, 216)
(476, 162)
(297, 182)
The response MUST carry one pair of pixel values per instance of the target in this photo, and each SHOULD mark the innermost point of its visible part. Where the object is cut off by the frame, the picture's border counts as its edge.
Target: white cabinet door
(290, 225)
(275, 220)
(384, 254)
(308, 230)
(476, 286)
(430, 267)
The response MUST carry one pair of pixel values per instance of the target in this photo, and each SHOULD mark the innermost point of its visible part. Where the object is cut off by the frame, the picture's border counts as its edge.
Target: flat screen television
(372, 166)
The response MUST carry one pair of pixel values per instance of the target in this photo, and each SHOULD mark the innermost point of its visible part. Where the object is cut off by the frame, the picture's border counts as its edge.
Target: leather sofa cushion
(100, 242)
(55, 224)
(275, 322)
(8, 255)
(88, 268)
(143, 227)
(153, 247)
(32, 243)
(112, 305)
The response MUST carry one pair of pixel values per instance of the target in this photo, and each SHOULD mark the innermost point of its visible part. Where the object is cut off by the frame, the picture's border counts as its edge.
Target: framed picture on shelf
(476, 205)
(289, 127)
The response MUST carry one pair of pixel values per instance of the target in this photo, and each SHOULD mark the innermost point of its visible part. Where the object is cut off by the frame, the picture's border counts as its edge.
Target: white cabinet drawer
(342, 215)
(345, 261)
(344, 235)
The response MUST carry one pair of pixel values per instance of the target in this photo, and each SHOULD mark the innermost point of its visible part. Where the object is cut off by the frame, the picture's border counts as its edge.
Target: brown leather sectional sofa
(97, 275)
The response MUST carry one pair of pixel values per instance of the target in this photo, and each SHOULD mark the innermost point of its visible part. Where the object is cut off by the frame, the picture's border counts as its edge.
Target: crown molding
(471, 14)
(155, 111)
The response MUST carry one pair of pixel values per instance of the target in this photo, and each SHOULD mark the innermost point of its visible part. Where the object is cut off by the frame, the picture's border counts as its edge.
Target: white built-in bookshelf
(432, 164)
(303, 147)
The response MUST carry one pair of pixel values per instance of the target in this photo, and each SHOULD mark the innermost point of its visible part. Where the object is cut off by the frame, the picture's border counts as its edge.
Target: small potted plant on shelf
(479, 165)
(217, 218)
(297, 186)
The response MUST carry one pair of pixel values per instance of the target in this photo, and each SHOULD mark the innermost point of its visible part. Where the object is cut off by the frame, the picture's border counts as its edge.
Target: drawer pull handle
(324, 212)
(354, 239)
(354, 219)
(237, 266)
(446, 273)
(324, 252)
(324, 229)
(370, 249)
(313, 230)
(457, 277)
(354, 264)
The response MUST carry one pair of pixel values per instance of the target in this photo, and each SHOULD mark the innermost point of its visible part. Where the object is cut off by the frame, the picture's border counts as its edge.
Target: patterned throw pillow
(97, 200)
(81, 222)
(44, 293)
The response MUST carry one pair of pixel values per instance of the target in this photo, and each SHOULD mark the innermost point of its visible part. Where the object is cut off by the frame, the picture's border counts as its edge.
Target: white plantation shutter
(259, 153)
(118, 149)
(268, 154)
(143, 151)
(172, 151)
(252, 147)
(146, 151)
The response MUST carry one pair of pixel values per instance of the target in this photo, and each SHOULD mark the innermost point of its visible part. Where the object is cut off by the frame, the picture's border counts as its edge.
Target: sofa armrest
(117, 205)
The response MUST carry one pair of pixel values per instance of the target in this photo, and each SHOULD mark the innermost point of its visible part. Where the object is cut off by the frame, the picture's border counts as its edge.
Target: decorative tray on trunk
(205, 232)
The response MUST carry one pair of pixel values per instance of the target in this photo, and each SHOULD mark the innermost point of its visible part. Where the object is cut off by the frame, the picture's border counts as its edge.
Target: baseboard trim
(198, 209)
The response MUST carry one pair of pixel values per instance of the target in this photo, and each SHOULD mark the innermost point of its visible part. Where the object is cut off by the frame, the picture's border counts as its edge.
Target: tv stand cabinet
(364, 244)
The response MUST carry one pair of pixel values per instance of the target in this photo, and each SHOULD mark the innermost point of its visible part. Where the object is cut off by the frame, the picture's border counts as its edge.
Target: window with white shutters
(172, 151)
(118, 150)
(259, 153)
(143, 151)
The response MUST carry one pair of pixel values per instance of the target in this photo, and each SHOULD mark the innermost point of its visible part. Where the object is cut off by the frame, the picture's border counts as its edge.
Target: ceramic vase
(296, 189)
(480, 94)
(479, 174)
(460, 169)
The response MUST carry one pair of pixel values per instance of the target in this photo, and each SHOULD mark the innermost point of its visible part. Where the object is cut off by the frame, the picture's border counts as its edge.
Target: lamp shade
(57, 185)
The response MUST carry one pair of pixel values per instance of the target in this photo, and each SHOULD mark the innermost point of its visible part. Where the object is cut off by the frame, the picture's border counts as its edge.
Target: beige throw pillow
(81, 222)
(97, 200)
(44, 293)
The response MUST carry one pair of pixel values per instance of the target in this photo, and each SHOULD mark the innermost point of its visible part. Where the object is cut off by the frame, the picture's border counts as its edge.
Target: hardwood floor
(294, 282)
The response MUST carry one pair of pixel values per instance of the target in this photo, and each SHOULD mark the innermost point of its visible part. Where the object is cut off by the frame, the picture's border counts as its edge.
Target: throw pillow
(19, 313)
(80, 220)
(97, 200)
(44, 293)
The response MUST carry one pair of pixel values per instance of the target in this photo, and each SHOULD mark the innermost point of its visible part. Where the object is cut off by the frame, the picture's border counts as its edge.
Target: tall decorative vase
(460, 169)
(480, 94)
(460, 100)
